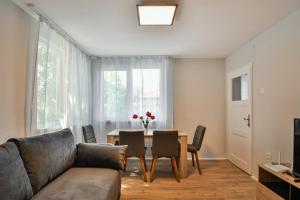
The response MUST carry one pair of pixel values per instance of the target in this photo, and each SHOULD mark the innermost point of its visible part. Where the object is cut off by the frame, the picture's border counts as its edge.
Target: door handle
(248, 120)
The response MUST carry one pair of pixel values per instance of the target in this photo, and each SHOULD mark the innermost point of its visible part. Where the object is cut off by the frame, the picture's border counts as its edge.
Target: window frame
(129, 80)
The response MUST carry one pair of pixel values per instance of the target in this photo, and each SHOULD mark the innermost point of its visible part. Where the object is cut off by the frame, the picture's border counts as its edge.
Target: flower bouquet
(145, 120)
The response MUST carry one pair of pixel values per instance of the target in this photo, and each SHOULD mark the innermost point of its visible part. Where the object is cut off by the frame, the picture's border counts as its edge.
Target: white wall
(275, 54)
(199, 98)
(15, 29)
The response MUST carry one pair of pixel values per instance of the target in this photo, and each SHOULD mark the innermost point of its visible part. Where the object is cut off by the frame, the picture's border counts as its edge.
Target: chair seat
(191, 148)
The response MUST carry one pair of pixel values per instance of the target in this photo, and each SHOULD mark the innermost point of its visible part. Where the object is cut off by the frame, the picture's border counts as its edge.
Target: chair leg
(142, 161)
(174, 164)
(178, 160)
(151, 164)
(198, 163)
(145, 163)
(125, 163)
(154, 161)
(193, 159)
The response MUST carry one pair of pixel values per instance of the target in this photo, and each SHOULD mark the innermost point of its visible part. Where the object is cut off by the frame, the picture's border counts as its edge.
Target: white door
(239, 117)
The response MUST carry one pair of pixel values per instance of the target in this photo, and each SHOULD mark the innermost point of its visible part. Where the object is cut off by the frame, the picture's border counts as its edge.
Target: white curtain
(30, 105)
(123, 86)
(63, 85)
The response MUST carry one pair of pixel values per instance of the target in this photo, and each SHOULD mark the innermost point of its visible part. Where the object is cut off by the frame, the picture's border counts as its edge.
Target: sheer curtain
(62, 86)
(123, 86)
(30, 104)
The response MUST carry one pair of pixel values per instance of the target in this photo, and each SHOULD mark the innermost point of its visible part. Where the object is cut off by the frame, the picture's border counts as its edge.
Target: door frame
(229, 75)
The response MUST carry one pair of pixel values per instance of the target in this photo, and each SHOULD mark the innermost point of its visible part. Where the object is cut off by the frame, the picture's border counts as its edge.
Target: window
(123, 86)
(131, 91)
(114, 93)
(146, 90)
(240, 88)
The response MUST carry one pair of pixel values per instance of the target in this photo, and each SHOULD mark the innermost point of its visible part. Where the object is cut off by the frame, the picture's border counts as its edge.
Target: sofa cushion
(95, 155)
(47, 156)
(83, 183)
(14, 181)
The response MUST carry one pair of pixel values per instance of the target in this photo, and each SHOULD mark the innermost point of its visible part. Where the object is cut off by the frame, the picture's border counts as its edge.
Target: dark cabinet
(274, 185)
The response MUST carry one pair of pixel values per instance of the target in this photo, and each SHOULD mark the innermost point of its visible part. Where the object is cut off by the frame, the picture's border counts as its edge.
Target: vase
(145, 128)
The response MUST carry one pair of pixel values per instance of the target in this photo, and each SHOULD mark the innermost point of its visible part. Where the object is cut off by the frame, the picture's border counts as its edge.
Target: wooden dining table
(182, 138)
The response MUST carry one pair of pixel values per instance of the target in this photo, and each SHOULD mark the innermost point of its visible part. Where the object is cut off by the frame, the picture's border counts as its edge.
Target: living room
(220, 79)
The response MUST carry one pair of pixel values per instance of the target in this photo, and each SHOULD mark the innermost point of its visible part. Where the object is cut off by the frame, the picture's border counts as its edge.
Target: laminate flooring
(220, 180)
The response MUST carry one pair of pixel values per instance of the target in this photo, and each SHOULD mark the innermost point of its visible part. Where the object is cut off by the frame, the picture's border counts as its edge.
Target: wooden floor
(220, 180)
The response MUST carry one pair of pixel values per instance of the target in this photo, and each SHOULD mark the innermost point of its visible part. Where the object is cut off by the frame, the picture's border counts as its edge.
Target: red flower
(141, 117)
(152, 117)
(148, 114)
(135, 116)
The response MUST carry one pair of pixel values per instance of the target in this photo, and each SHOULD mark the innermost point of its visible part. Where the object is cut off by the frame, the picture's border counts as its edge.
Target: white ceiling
(202, 28)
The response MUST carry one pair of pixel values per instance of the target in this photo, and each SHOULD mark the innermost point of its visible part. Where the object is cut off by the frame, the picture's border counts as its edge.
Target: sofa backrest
(47, 156)
(14, 181)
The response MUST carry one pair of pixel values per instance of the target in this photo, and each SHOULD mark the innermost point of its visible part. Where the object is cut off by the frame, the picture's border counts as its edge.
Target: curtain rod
(44, 18)
(130, 56)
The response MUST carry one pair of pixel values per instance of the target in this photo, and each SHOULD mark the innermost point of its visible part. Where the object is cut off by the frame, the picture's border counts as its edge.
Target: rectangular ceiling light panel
(156, 14)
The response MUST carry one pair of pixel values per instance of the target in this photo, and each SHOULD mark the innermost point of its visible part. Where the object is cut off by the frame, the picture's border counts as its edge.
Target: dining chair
(89, 134)
(196, 145)
(136, 148)
(165, 144)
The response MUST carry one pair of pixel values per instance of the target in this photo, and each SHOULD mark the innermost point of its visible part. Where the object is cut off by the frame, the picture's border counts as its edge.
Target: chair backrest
(165, 143)
(135, 142)
(89, 134)
(198, 137)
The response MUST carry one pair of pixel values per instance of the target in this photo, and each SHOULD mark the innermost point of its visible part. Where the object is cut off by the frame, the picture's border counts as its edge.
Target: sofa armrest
(104, 156)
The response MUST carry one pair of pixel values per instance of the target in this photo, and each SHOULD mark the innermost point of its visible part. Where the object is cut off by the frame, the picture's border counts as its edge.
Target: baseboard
(210, 159)
(150, 158)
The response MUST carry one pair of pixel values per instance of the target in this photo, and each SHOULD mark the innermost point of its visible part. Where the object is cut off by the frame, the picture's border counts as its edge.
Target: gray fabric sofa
(53, 167)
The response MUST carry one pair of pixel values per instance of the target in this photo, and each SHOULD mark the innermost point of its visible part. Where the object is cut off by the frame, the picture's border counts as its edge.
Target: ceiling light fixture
(156, 15)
